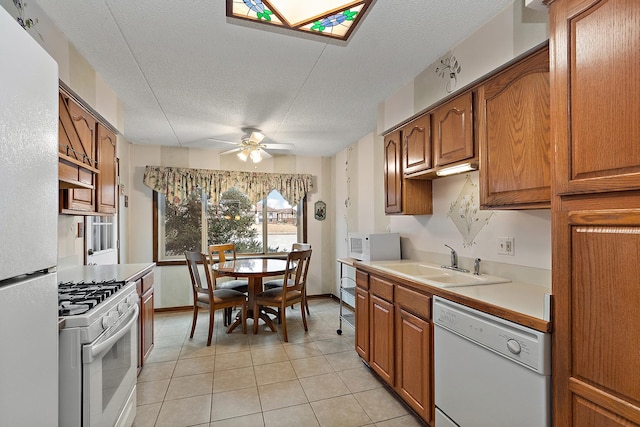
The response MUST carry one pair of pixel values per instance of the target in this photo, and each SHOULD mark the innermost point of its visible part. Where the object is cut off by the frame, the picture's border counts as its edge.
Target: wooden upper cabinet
(453, 130)
(597, 88)
(77, 136)
(403, 196)
(513, 126)
(416, 140)
(392, 173)
(106, 188)
(87, 167)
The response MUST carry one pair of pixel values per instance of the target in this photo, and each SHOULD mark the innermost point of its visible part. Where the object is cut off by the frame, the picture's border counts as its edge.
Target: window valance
(177, 183)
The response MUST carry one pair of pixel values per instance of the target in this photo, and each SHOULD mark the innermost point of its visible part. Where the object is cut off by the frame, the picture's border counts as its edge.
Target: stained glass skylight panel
(331, 18)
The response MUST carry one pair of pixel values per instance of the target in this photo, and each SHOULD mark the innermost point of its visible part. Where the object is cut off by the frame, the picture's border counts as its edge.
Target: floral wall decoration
(449, 69)
(347, 200)
(466, 214)
(21, 18)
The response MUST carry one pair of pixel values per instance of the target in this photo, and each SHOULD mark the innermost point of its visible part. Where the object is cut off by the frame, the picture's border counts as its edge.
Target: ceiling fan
(252, 147)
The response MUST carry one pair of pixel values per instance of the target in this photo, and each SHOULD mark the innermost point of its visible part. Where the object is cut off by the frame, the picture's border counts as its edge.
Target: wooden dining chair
(207, 296)
(220, 252)
(290, 292)
(277, 283)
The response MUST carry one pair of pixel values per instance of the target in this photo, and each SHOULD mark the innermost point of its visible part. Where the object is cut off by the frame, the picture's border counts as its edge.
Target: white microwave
(374, 246)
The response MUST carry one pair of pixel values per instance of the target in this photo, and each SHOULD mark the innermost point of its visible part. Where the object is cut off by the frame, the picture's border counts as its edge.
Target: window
(270, 226)
(101, 239)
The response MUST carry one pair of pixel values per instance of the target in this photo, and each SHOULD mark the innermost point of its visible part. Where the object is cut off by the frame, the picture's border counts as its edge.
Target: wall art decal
(466, 214)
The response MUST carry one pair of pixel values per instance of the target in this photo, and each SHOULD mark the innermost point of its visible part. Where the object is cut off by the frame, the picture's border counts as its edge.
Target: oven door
(109, 375)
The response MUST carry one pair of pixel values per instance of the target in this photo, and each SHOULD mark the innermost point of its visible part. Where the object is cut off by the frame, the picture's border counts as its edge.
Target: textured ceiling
(185, 73)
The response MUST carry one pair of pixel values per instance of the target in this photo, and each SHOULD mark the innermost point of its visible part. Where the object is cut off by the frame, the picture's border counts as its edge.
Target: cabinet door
(146, 314)
(513, 135)
(596, 294)
(381, 350)
(362, 323)
(106, 183)
(416, 140)
(453, 131)
(403, 196)
(392, 173)
(414, 336)
(146, 291)
(77, 130)
(595, 94)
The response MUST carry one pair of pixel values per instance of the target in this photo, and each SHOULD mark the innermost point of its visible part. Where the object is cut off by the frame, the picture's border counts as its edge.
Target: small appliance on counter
(374, 246)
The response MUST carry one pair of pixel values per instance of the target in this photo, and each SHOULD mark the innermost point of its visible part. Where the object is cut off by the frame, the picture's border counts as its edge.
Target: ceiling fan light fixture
(255, 155)
(256, 137)
(243, 154)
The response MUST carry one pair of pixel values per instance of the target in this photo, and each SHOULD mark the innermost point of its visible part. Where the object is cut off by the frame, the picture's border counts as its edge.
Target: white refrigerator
(28, 229)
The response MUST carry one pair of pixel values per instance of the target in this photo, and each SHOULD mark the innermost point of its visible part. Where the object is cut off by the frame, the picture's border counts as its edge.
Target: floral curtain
(177, 183)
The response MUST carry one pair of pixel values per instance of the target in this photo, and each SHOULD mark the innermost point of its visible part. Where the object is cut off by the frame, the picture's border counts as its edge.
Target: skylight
(330, 18)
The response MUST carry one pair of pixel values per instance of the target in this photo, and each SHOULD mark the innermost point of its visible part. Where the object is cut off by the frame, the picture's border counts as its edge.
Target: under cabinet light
(451, 170)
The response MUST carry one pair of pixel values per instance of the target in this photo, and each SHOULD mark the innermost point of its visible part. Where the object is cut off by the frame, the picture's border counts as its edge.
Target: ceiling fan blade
(222, 140)
(233, 150)
(279, 146)
(265, 154)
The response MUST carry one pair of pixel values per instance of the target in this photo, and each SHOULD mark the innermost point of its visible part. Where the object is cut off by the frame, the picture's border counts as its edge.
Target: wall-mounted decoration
(448, 69)
(21, 18)
(466, 214)
(320, 210)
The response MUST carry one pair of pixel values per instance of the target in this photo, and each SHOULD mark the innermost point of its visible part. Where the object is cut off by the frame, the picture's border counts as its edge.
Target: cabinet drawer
(147, 282)
(362, 279)
(381, 288)
(417, 303)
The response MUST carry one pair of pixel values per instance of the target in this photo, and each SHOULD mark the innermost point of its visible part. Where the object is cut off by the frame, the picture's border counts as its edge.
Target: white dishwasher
(489, 372)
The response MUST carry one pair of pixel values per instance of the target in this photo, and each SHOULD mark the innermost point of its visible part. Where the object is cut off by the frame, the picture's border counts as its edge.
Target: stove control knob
(109, 320)
(123, 307)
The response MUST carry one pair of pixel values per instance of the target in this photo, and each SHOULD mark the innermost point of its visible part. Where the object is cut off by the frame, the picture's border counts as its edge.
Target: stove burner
(80, 297)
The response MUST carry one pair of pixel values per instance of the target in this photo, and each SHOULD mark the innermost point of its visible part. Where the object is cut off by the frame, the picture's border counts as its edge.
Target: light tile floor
(316, 379)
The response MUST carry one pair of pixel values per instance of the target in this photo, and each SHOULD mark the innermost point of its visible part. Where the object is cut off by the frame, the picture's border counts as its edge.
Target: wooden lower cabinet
(394, 335)
(414, 351)
(381, 352)
(362, 323)
(145, 320)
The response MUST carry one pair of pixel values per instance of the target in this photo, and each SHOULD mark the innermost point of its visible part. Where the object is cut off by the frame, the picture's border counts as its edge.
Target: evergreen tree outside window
(234, 220)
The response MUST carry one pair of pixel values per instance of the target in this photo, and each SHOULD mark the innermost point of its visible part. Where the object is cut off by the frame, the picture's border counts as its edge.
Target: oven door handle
(104, 343)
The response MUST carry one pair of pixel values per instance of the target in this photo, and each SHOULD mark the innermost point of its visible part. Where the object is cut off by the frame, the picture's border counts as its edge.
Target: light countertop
(119, 272)
(521, 302)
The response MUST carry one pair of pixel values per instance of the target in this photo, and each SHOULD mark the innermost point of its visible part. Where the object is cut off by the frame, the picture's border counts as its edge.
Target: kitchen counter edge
(119, 272)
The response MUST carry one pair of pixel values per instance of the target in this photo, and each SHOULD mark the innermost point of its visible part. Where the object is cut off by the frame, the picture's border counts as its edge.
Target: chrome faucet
(476, 266)
(454, 262)
(454, 257)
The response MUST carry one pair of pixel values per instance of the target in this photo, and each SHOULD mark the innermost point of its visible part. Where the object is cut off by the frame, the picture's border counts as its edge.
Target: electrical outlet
(506, 246)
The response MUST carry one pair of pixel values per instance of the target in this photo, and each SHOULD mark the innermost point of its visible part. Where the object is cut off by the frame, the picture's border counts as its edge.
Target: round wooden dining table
(254, 269)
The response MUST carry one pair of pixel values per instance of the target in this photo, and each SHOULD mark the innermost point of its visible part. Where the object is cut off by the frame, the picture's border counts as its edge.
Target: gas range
(98, 352)
(94, 306)
(79, 298)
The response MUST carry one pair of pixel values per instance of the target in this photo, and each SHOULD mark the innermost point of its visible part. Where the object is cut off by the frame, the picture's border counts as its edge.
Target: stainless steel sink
(437, 276)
